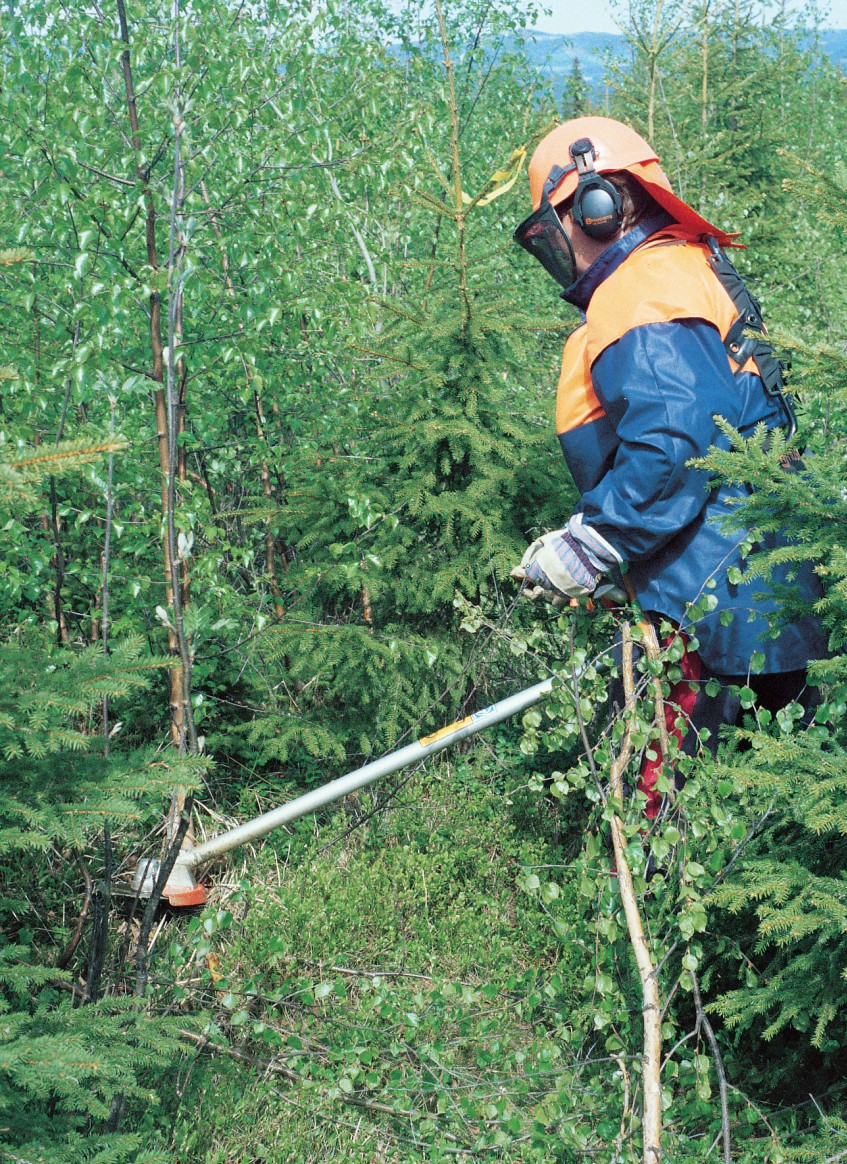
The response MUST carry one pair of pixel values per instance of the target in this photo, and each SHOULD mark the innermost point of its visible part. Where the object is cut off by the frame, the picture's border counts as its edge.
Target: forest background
(276, 420)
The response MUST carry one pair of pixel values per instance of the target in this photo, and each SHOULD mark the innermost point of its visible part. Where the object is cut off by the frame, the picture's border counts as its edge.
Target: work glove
(557, 566)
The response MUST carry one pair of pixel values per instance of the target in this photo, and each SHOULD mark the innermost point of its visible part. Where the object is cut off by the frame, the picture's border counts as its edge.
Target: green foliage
(789, 885)
(365, 688)
(63, 1069)
(20, 470)
(575, 101)
(462, 461)
(48, 701)
(397, 980)
(364, 370)
(736, 842)
(789, 889)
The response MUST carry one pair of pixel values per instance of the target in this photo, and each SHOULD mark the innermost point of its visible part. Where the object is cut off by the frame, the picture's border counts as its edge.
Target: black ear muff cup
(597, 207)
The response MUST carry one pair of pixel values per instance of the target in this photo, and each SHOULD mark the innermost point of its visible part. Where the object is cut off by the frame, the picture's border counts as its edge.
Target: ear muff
(597, 207)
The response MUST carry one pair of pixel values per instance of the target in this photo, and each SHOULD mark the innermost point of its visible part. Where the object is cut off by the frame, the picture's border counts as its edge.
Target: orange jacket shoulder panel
(576, 402)
(663, 280)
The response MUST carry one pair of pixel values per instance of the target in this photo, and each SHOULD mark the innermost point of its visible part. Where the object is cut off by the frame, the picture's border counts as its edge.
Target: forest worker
(663, 349)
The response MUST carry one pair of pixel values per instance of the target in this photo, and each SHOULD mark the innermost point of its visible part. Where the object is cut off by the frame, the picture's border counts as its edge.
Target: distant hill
(553, 55)
(834, 41)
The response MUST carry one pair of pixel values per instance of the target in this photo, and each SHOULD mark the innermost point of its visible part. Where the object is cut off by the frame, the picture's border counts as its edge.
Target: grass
(412, 1001)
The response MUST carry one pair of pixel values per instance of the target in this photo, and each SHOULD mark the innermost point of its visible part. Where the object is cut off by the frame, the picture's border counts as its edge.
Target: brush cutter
(183, 889)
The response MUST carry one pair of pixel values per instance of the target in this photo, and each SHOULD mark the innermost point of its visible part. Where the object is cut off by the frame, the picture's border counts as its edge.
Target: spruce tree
(64, 1065)
(788, 889)
(575, 102)
(457, 446)
(63, 1068)
(449, 465)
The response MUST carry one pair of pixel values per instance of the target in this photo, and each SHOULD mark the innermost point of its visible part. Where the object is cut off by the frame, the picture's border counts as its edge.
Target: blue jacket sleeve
(661, 385)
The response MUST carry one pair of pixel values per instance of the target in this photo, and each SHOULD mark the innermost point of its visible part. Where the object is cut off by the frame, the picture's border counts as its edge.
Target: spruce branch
(16, 255)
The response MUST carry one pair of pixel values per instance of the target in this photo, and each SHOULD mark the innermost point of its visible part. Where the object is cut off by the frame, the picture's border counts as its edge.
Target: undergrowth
(401, 974)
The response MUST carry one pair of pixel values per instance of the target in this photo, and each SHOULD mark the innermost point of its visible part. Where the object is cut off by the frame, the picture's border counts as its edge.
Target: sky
(568, 16)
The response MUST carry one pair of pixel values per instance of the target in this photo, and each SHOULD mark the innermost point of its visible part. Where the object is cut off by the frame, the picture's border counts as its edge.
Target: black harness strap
(741, 347)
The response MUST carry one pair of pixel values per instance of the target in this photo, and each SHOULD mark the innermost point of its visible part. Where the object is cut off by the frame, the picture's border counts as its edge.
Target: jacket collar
(580, 292)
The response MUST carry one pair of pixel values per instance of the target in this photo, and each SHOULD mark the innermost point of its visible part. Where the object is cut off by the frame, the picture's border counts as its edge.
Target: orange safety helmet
(617, 147)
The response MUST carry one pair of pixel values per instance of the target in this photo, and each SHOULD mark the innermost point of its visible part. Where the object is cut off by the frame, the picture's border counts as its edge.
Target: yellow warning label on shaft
(424, 741)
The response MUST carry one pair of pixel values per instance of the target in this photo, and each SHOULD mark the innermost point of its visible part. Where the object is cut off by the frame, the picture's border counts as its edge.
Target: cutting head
(181, 889)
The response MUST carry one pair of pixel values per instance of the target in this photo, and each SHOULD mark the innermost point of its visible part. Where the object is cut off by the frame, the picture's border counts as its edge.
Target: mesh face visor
(544, 237)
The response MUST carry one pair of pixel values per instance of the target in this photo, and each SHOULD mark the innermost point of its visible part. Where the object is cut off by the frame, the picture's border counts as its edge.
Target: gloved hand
(558, 564)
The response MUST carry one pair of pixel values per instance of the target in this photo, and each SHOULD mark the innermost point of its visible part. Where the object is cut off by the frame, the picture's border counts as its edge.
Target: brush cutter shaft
(251, 830)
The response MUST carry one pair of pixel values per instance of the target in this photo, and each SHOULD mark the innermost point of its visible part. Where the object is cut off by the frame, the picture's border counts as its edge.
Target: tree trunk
(176, 700)
(651, 1008)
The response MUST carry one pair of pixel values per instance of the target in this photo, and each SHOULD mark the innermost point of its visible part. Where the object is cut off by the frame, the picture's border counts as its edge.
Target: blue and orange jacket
(642, 380)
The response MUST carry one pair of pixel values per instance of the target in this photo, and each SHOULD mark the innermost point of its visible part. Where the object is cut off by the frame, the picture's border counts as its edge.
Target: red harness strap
(678, 705)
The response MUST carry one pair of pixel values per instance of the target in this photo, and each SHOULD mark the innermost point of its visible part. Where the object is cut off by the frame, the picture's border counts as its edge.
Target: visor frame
(560, 262)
